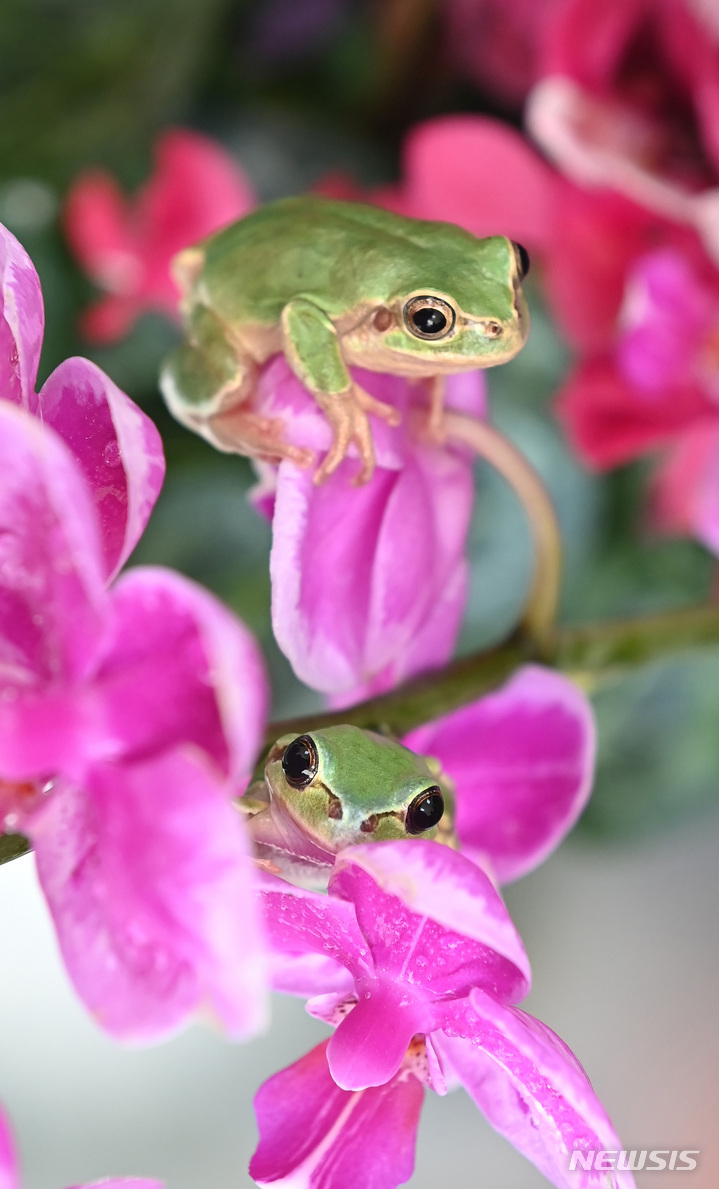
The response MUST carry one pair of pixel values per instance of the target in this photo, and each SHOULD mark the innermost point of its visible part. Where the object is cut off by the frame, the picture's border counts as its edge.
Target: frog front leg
(312, 349)
(206, 383)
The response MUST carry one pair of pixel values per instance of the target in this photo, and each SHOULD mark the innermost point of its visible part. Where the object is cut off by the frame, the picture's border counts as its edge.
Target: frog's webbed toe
(241, 431)
(349, 423)
(347, 414)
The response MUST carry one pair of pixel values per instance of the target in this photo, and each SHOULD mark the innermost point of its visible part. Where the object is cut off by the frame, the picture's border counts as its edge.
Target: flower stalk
(541, 610)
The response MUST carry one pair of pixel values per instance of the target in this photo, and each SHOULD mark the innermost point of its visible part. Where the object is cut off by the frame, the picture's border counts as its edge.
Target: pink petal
(309, 976)
(21, 322)
(610, 421)
(196, 188)
(122, 1183)
(598, 236)
(109, 319)
(314, 1135)
(370, 1043)
(300, 922)
(667, 316)
(126, 246)
(686, 489)
(522, 761)
(52, 600)
(8, 1159)
(532, 1090)
(423, 902)
(480, 173)
(96, 222)
(369, 583)
(179, 667)
(117, 446)
(149, 881)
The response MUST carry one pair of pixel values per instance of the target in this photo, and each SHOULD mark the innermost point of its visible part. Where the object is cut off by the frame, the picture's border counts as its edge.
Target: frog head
(340, 786)
(456, 304)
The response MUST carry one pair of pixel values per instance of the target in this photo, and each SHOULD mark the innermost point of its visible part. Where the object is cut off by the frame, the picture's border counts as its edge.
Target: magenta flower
(432, 967)
(657, 390)
(522, 763)
(126, 246)
(129, 718)
(638, 115)
(368, 583)
(116, 445)
(10, 1173)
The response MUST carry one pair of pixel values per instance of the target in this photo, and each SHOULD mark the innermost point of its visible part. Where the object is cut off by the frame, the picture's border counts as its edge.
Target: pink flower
(116, 445)
(658, 388)
(129, 718)
(432, 967)
(522, 762)
(629, 100)
(498, 43)
(126, 245)
(368, 583)
(10, 1178)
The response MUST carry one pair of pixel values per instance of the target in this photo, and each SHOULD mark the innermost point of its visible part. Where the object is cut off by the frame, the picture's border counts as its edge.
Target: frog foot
(240, 431)
(434, 428)
(347, 413)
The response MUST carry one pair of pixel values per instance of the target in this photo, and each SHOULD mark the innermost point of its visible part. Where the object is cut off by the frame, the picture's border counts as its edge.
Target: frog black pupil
(429, 320)
(299, 762)
(425, 811)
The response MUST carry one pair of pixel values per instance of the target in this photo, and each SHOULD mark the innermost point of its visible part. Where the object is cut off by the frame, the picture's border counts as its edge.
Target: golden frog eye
(429, 317)
(300, 762)
(425, 811)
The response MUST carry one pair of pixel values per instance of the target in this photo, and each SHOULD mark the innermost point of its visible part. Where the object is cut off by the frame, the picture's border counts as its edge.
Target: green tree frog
(337, 787)
(335, 284)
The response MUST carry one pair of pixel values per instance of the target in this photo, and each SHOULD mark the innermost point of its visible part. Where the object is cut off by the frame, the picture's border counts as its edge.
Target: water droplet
(111, 454)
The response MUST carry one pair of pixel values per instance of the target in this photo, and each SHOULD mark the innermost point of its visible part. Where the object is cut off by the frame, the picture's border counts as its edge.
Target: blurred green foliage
(298, 91)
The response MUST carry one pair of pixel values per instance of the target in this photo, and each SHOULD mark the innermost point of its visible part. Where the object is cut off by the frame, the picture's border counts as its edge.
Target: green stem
(587, 651)
(540, 612)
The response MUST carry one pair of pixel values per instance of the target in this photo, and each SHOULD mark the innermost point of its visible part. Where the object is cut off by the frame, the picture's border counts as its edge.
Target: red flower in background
(629, 101)
(126, 244)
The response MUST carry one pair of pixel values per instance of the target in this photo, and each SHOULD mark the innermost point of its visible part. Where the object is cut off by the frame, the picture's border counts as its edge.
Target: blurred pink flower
(129, 718)
(498, 43)
(629, 101)
(10, 1172)
(116, 445)
(126, 245)
(432, 967)
(522, 763)
(368, 583)
(658, 389)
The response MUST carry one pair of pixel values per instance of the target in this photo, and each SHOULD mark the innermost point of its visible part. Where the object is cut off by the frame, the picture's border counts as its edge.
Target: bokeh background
(620, 924)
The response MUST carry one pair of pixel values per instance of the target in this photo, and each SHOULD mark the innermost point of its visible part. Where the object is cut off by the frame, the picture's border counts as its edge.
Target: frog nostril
(493, 330)
(334, 809)
(369, 825)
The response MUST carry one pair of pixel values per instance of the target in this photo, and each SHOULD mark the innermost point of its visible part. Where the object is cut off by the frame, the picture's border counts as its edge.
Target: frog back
(338, 255)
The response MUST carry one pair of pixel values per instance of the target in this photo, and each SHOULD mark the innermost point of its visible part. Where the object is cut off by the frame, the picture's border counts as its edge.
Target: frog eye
(425, 811)
(300, 761)
(428, 317)
(521, 255)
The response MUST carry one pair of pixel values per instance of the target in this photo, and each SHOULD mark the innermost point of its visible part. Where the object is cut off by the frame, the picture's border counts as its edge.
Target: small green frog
(337, 787)
(335, 284)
